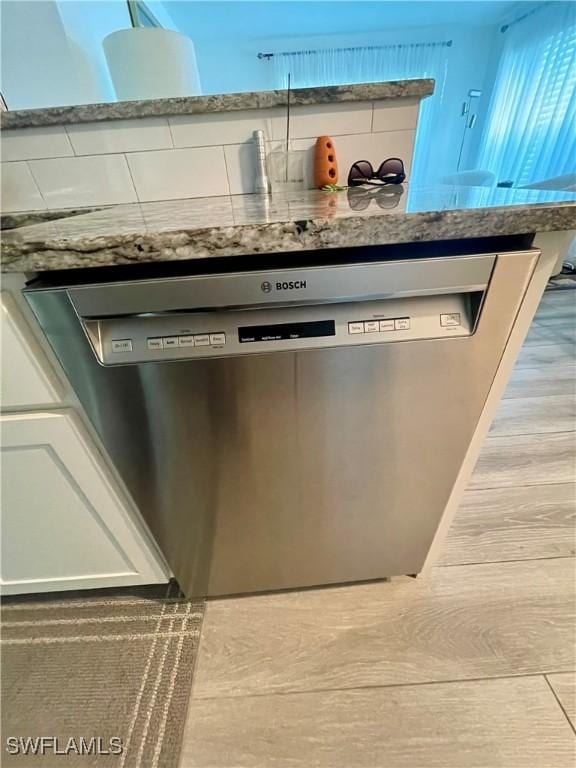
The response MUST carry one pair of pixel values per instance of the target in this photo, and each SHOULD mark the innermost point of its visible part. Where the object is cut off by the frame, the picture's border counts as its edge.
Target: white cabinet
(64, 525)
(66, 522)
(26, 377)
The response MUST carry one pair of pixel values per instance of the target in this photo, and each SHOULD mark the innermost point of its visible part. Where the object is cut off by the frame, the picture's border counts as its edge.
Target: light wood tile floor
(472, 666)
(506, 722)
(564, 687)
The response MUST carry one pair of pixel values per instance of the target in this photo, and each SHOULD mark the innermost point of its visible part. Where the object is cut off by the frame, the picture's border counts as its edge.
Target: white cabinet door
(27, 378)
(63, 524)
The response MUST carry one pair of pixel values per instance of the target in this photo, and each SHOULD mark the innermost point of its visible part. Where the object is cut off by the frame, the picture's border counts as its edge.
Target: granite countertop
(23, 219)
(285, 222)
(226, 102)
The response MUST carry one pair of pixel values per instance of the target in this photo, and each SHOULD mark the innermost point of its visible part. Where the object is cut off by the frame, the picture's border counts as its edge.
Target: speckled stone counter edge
(281, 237)
(226, 102)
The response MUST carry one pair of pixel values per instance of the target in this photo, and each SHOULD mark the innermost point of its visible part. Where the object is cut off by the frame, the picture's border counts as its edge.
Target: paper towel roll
(151, 63)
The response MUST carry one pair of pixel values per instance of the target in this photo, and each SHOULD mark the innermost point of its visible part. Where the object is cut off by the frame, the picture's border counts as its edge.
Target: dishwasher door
(292, 428)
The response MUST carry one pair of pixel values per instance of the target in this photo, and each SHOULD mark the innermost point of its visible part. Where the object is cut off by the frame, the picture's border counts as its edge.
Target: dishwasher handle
(288, 287)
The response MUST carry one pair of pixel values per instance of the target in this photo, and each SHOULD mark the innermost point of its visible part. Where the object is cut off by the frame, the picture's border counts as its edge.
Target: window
(531, 126)
(141, 15)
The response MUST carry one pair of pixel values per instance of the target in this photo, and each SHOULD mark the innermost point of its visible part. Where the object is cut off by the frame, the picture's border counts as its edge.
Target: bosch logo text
(286, 285)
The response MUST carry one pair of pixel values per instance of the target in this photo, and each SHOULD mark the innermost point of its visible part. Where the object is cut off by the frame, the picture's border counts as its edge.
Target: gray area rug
(95, 673)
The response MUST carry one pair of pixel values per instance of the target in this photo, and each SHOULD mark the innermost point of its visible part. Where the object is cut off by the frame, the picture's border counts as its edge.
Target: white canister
(151, 63)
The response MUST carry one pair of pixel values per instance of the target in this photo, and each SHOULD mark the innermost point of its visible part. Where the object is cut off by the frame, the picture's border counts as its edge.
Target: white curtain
(530, 131)
(368, 64)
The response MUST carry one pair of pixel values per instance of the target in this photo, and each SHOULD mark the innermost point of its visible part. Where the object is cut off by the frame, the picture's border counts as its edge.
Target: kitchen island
(289, 362)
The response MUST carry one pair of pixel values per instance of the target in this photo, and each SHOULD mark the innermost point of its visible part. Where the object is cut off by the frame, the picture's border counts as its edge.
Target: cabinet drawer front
(27, 377)
(63, 524)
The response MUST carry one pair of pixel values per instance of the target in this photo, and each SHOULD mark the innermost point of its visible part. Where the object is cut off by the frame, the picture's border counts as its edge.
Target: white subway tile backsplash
(179, 173)
(238, 127)
(78, 181)
(397, 115)
(224, 128)
(374, 147)
(19, 190)
(120, 136)
(325, 120)
(151, 159)
(241, 167)
(33, 143)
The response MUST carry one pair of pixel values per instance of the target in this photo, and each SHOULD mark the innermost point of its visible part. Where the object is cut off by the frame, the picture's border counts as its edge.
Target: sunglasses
(391, 171)
(386, 197)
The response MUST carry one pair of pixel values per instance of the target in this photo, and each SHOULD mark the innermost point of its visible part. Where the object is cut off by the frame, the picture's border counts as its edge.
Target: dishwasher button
(402, 324)
(371, 326)
(155, 343)
(450, 320)
(202, 340)
(355, 327)
(121, 345)
(185, 341)
(386, 325)
(217, 339)
(170, 341)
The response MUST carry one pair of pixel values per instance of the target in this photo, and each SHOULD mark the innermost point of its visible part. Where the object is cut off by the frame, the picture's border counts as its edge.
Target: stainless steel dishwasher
(291, 427)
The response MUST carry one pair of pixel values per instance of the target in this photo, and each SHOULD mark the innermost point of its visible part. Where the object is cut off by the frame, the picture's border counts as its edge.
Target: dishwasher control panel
(224, 333)
(186, 340)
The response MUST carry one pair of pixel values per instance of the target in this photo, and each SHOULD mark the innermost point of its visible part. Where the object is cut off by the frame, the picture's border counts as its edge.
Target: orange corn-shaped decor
(325, 165)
